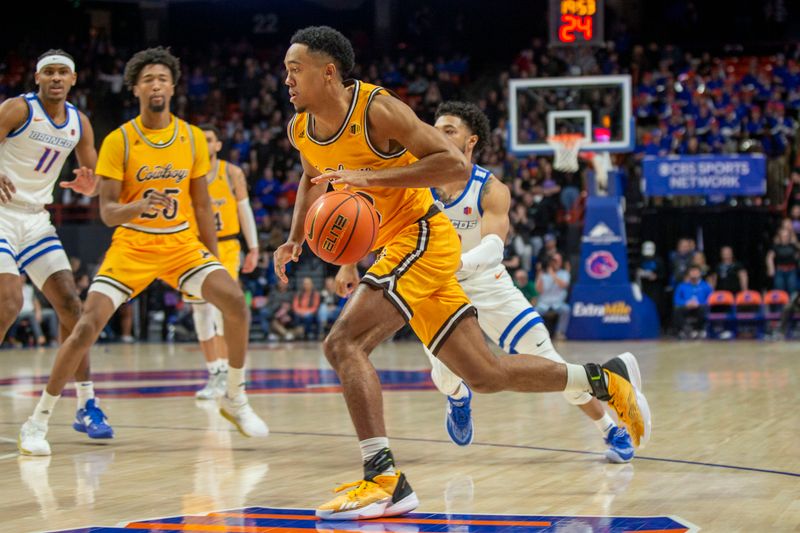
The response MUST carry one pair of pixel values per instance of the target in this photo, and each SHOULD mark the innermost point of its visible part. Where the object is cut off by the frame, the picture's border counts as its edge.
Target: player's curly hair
(471, 116)
(326, 40)
(151, 56)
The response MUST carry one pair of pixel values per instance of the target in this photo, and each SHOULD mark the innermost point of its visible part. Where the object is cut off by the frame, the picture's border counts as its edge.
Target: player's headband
(55, 59)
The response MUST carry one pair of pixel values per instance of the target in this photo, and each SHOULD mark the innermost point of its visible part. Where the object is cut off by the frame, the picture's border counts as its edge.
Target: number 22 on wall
(43, 160)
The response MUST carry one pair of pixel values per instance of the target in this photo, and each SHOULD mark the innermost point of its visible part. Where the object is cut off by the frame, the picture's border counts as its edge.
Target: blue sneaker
(620, 448)
(459, 419)
(92, 421)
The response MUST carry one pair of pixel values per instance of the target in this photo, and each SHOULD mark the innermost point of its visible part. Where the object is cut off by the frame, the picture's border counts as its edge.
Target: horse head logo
(601, 265)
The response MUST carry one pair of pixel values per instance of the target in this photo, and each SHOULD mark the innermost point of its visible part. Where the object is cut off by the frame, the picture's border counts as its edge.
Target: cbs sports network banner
(705, 175)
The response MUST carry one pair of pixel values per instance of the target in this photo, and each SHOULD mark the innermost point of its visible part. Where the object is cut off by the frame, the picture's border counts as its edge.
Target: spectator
(788, 225)
(782, 262)
(511, 259)
(690, 304)
(262, 313)
(126, 322)
(548, 250)
(526, 286)
(699, 259)
(330, 306)
(305, 306)
(81, 276)
(267, 189)
(680, 259)
(552, 284)
(730, 274)
(77, 266)
(280, 309)
(794, 216)
(652, 277)
(262, 277)
(32, 312)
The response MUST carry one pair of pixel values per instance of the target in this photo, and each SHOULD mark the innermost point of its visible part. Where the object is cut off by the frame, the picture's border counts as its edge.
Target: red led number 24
(572, 23)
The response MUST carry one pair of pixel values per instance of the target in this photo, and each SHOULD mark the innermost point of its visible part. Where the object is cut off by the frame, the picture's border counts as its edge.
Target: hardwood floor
(725, 452)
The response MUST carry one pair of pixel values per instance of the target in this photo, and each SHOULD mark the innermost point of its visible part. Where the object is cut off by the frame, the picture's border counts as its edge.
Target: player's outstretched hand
(250, 261)
(288, 251)
(7, 189)
(85, 181)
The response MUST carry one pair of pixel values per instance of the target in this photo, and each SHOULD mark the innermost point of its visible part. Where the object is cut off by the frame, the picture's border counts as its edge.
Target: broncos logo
(601, 265)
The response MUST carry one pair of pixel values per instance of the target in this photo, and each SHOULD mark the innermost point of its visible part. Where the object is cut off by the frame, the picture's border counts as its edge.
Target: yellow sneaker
(385, 495)
(622, 389)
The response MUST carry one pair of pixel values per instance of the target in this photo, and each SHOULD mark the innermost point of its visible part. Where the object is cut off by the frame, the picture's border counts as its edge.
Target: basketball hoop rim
(566, 140)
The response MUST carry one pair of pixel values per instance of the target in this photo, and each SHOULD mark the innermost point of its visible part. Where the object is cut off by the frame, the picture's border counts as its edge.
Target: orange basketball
(341, 227)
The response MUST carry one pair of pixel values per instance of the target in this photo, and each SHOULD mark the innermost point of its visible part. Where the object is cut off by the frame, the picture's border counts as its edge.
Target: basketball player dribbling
(38, 131)
(354, 134)
(479, 213)
(153, 171)
(227, 189)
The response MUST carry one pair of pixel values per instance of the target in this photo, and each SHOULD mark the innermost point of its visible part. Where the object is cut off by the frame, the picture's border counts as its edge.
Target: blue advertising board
(704, 175)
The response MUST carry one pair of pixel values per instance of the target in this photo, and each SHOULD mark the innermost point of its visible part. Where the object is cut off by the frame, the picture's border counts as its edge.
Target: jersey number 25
(168, 212)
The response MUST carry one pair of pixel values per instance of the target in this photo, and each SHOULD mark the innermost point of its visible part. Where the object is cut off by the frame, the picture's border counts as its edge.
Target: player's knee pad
(203, 315)
(577, 398)
(218, 322)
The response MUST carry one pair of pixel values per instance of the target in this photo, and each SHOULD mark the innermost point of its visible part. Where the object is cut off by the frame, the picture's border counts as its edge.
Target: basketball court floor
(725, 452)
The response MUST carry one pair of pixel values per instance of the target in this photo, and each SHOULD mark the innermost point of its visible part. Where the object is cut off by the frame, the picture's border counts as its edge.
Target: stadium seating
(720, 319)
(749, 314)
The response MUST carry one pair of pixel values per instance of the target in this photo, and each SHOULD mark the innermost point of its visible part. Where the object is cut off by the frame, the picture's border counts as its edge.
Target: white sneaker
(241, 415)
(31, 439)
(214, 388)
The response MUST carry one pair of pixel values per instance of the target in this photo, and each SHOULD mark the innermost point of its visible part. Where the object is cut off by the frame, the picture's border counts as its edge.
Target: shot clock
(576, 22)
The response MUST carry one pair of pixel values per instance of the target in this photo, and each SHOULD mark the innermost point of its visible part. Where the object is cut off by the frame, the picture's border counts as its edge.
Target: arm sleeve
(488, 254)
(247, 223)
(111, 159)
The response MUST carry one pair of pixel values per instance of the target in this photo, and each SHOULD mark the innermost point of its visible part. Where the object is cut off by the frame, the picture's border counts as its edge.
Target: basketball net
(566, 147)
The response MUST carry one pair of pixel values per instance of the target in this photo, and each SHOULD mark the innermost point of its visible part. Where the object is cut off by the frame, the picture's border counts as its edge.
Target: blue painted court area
(260, 381)
(269, 519)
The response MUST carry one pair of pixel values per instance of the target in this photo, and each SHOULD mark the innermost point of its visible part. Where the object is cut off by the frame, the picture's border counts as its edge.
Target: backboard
(598, 107)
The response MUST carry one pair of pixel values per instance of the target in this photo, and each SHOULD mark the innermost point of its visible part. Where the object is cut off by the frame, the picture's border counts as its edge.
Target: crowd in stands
(683, 103)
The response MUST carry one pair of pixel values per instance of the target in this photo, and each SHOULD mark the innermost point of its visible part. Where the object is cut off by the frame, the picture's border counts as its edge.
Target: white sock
(223, 365)
(213, 367)
(235, 382)
(604, 424)
(577, 381)
(85, 391)
(371, 447)
(461, 392)
(44, 408)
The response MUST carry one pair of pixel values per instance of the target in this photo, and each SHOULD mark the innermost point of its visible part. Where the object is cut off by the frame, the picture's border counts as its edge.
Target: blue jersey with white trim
(32, 156)
(465, 212)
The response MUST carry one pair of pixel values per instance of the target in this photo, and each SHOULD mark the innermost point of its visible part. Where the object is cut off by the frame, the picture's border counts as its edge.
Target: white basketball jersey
(32, 156)
(465, 211)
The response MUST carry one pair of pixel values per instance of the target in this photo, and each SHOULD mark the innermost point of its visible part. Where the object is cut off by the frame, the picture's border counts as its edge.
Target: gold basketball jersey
(223, 201)
(155, 160)
(350, 149)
